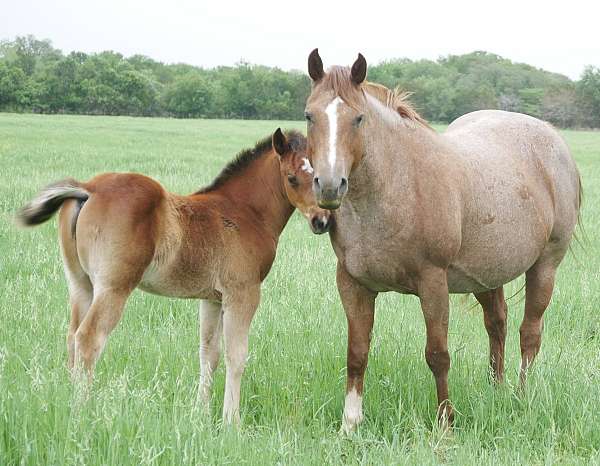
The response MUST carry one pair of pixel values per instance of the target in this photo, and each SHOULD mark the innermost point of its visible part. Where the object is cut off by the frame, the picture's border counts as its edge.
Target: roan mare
(120, 231)
(495, 196)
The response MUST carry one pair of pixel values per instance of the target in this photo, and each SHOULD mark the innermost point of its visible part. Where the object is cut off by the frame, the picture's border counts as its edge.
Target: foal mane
(338, 79)
(242, 161)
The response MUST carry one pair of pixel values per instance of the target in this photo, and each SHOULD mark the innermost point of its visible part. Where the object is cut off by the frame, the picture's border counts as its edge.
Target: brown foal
(120, 231)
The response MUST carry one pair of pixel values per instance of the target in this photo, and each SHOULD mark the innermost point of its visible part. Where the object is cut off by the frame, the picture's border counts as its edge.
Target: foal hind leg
(102, 317)
(80, 288)
(80, 297)
(211, 329)
(494, 318)
(539, 284)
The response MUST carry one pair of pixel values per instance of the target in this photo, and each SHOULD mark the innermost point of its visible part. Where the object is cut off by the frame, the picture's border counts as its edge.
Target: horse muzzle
(330, 191)
(320, 222)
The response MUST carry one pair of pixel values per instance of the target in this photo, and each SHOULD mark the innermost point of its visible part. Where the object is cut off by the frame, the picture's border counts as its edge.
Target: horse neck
(260, 190)
(394, 146)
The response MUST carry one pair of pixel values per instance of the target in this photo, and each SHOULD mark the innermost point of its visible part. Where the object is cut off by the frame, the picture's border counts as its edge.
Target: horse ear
(315, 66)
(359, 70)
(280, 143)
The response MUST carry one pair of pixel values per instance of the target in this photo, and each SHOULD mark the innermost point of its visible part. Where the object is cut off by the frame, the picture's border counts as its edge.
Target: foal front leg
(359, 305)
(239, 307)
(433, 293)
(211, 330)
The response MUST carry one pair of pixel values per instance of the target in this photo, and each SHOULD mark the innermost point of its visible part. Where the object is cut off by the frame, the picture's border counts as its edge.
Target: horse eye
(358, 120)
(308, 117)
(293, 180)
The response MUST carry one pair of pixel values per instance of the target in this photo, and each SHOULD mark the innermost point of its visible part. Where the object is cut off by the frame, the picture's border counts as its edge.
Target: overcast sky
(561, 37)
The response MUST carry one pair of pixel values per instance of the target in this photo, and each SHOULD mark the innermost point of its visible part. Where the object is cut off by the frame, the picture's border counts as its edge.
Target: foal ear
(359, 70)
(280, 143)
(315, 66)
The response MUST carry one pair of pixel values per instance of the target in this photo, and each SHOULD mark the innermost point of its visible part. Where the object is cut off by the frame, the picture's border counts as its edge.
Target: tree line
(36, 77)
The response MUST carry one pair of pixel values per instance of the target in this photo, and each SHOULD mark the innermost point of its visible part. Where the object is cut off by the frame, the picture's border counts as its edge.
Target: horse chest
(378, 265)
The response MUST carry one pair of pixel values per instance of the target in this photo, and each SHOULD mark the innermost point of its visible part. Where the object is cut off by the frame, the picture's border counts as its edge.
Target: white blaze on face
(306, 166)
(332, 113)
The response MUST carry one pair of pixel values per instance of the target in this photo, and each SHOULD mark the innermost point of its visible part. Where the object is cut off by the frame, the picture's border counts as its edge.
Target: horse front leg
(359, 305)
(433, 293)
(211, 330)
(239, 307)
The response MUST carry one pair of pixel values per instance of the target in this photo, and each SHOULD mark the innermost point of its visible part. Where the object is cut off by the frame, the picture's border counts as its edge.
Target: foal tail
(48, 201)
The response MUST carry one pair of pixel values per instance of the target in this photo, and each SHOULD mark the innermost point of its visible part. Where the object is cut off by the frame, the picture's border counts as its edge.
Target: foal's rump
(113, 228)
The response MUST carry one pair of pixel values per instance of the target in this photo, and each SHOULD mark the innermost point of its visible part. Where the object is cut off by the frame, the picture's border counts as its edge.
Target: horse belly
(497, 254)
(174, 281)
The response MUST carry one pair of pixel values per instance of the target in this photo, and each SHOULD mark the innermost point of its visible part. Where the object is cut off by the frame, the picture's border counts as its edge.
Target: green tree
(588, 97)
(190, 96)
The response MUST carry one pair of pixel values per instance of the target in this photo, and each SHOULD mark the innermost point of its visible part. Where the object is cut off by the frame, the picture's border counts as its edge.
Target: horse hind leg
(539, 284)
(80, 298)
(494, 317)
(80, 287)
(103, 315)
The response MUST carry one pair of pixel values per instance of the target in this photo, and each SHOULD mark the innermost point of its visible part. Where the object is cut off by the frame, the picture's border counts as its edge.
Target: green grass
(141, 406)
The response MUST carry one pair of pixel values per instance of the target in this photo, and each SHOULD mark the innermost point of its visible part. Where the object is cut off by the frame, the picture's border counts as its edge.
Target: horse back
(521, 193)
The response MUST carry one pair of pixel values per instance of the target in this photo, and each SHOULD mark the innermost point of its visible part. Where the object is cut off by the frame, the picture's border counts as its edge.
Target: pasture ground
(141, 409)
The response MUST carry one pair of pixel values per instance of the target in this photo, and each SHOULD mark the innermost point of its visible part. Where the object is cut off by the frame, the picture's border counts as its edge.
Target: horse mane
(339, 81)
(240, 163)
(396, 99)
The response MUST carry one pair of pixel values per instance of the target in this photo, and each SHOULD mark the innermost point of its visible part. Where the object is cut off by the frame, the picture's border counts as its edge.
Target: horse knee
(87, 347)
(438, 362)
(531, 336)
(496, 326)
(357, 360)
(236, 361)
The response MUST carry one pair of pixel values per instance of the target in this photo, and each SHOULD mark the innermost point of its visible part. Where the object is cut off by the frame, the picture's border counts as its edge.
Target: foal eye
(293, 180)
(358, 120)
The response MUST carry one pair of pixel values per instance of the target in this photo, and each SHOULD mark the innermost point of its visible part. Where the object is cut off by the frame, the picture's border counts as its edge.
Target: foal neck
(260, 190)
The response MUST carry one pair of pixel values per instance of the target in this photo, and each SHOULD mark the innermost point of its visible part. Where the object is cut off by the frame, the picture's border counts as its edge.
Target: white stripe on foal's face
(332, 114)
(306, 166)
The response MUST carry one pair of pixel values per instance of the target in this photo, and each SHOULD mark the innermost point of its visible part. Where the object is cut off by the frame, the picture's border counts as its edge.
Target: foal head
(297, 177)
(335, 113)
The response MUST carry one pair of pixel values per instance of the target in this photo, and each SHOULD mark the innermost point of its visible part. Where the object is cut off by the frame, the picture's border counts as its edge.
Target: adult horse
(495, 196)
(120, 231)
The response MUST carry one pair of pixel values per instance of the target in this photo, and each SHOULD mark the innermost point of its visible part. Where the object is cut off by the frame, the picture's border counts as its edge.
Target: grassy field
(141, 409)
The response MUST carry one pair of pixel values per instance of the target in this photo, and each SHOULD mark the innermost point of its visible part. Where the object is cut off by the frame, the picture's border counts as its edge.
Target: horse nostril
(316, 182)
(343, 186)
(317, 223)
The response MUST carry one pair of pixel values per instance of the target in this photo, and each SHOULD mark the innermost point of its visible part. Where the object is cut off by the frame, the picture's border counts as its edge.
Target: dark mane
(245, 158)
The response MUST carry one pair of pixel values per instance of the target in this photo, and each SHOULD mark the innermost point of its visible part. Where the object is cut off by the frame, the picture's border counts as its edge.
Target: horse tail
(42, 207)
(579, 234)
